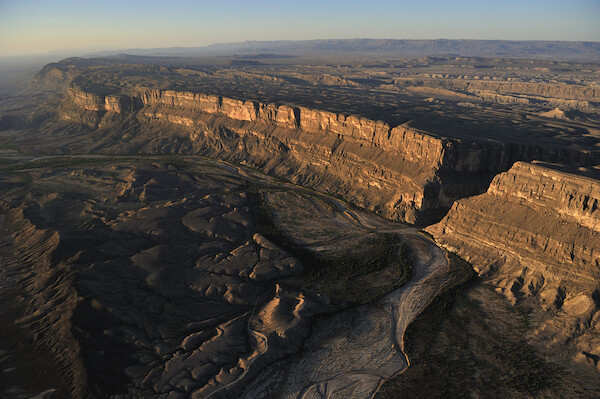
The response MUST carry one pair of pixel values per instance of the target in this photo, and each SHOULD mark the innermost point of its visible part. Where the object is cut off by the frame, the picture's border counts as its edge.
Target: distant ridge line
(535, 49)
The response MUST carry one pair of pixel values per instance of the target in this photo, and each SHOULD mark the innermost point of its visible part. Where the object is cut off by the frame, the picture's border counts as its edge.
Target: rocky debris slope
(147, 280)
(400, 172)
(535, 235)
(32, 281)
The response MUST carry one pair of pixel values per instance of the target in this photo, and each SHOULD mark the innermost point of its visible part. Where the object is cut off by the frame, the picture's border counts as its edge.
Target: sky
(29, 27)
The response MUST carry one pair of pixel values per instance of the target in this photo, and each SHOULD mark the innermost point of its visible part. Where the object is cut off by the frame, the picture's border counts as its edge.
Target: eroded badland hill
(250, 227)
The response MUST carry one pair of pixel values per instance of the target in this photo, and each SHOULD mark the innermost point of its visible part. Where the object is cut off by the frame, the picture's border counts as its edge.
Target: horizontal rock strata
(535, 234)
(400, 172)
(568, 232)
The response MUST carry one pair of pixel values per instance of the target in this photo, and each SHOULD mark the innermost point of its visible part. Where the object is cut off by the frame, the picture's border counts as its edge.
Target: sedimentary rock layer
(535, 234)
(506, 219)
(398, 171)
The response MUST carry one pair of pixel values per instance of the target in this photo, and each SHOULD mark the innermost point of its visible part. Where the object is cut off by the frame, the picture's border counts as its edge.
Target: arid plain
(291, 223)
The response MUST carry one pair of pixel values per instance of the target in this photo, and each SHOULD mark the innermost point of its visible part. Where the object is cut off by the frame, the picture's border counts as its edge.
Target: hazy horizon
(32, 28)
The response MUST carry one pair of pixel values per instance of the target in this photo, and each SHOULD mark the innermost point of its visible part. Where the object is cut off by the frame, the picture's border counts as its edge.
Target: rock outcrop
(535, 235)
(503, 220)
(400, 172)
(94, 102)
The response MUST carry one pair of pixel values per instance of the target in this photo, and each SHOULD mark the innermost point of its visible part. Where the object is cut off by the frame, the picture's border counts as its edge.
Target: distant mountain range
(556, 50)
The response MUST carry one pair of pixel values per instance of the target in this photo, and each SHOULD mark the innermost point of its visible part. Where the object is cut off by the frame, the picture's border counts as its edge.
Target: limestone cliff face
(576, 199)
(502, 219)
(398, 171)
(94, 102)
(535, 235)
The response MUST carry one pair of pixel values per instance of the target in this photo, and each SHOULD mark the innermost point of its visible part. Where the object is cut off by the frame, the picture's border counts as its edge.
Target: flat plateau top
(522, 101)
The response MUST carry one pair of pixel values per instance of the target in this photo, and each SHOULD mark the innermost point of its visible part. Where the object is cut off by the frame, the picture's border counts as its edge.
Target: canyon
(401, 172)
(253, 226)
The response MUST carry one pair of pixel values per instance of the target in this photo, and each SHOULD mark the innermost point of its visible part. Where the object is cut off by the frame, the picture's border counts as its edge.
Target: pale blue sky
(36, 26)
